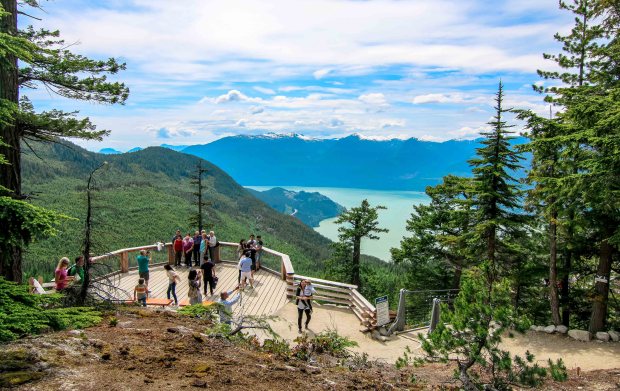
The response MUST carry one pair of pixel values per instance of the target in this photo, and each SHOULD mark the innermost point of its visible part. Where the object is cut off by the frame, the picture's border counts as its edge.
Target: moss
(12, 379)
(202, 368)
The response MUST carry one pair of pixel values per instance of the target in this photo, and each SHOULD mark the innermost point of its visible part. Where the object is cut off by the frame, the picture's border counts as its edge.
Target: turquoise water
(399, 207)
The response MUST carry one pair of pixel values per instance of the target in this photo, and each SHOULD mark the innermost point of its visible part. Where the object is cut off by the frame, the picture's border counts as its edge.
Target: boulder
(549, 329)
(614, 335)
(540, 328)
(561, 329)
(533, 327)
(602, 336)
(579, 335)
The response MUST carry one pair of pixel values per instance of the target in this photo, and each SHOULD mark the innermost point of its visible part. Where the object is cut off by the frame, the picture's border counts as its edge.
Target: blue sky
(201, 70)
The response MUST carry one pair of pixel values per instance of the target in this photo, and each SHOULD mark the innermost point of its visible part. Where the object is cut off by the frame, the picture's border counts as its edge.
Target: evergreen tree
(437, 246)
(556, 154)
(496, 194)
(358, 222)
(29, 59)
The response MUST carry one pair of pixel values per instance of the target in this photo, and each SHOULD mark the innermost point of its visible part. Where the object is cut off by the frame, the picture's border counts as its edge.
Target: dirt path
(585, 355)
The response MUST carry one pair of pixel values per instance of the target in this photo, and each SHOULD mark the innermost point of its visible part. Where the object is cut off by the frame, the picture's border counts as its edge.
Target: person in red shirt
(178, 249)
(60, 275)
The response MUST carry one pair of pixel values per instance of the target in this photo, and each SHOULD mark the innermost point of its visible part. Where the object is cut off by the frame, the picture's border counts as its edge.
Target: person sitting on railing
(140, 292)
(77, 270)
(60, 274)
(226, 303)
(304, 294)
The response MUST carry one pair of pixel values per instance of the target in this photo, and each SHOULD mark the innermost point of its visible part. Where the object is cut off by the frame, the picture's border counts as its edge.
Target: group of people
(196, 247)
(202, 276)
(65, 274)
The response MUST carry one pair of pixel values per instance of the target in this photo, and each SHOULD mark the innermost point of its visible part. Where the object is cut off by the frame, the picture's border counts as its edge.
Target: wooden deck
(267, 297)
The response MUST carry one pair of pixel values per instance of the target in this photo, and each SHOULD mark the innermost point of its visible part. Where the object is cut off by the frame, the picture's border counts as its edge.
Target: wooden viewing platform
(273, 288)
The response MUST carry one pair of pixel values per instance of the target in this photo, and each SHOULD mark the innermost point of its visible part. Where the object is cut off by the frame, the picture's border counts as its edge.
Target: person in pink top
(60, 275)
(188, 247)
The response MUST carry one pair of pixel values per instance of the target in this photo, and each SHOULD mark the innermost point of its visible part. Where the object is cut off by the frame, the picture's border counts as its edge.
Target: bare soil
(150, 350)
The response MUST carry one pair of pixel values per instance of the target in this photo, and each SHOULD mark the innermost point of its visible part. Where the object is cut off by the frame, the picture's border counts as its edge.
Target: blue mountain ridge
(351, 162)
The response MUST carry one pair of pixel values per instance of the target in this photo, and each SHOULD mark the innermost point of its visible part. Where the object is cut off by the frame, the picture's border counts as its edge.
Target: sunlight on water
(399, 207)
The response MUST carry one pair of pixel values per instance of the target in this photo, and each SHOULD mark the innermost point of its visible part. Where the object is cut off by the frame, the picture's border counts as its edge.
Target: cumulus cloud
(168, 133)
(374, 99)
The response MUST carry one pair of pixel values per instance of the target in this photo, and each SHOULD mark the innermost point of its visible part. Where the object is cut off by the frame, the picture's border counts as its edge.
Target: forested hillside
(144, 197)
(310, 208)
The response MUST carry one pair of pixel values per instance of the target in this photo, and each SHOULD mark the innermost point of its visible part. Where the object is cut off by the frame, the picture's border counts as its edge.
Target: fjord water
(399, 207)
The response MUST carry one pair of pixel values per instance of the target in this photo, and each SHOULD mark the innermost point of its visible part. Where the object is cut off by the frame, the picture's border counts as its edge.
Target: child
(173, 277)
(140, 292)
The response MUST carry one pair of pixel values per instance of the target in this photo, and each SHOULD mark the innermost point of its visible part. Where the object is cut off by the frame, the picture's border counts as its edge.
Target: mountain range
(353, 161)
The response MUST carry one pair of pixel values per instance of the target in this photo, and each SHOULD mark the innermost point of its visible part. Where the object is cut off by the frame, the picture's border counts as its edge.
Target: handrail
(327, 291)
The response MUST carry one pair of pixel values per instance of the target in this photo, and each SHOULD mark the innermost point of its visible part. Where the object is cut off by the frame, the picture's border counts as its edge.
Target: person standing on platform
(245, 265)
(188, 249)
(173, 278)
(177, 245)
(304, 295)
(193, 279)
(212, 246)
(208, 274)
(143, 266)
(196, 251)
(259, 251)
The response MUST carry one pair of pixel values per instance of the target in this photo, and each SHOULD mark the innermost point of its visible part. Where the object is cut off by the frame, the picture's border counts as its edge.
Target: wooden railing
(327, 291)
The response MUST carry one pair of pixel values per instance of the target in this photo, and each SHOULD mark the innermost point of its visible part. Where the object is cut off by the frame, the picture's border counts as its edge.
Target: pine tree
(358, 222)
(555, 153)
(29, 59)
(496, 194)
(439, 230)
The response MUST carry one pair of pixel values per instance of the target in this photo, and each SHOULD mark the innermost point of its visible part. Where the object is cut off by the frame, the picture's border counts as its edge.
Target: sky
(201, 70)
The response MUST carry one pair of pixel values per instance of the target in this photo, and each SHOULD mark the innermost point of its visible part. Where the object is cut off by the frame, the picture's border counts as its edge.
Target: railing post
(124, 262)
(282, 269)
(170, 255)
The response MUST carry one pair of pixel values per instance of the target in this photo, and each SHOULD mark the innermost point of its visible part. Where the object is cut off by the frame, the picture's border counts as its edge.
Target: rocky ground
(147, 350)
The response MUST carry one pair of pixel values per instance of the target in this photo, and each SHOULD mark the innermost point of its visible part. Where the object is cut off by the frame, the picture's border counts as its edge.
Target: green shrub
(558, 370)
(23, 313)
(332, 343)
(199, 310)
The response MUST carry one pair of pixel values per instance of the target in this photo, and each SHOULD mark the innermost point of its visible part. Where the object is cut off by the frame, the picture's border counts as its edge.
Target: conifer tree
(555, 153)
(197, 219)
(357, 223)
(496, 194)
(33, 58)
(439, 230)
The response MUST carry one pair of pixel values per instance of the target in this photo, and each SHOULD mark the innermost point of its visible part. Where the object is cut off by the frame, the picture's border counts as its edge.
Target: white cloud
(266, 91)
(374, 99)
(256, 109)
(321, 73)
(241, 123)
(450, 98)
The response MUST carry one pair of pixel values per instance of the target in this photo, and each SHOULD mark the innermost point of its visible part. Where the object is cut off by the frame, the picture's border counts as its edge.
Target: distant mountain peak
(109, 151)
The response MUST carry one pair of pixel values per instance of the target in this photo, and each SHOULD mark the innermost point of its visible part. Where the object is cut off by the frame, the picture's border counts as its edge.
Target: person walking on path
(208, 275)
(245, 265)
(304, 294)
(173, 278)
(195, 297)
(143, 266)
(188, 249)
(196, 250)
(177, 245)
(226, 303)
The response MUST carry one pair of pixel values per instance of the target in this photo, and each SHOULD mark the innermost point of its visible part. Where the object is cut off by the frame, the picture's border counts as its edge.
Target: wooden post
(282, 269)
(170, 255)
(124, 262)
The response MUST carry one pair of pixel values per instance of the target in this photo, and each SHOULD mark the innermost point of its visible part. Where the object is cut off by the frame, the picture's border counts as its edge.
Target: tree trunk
(598, 318)
(458, 271)
(10, 175)
(553, 271)
(355, 268)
